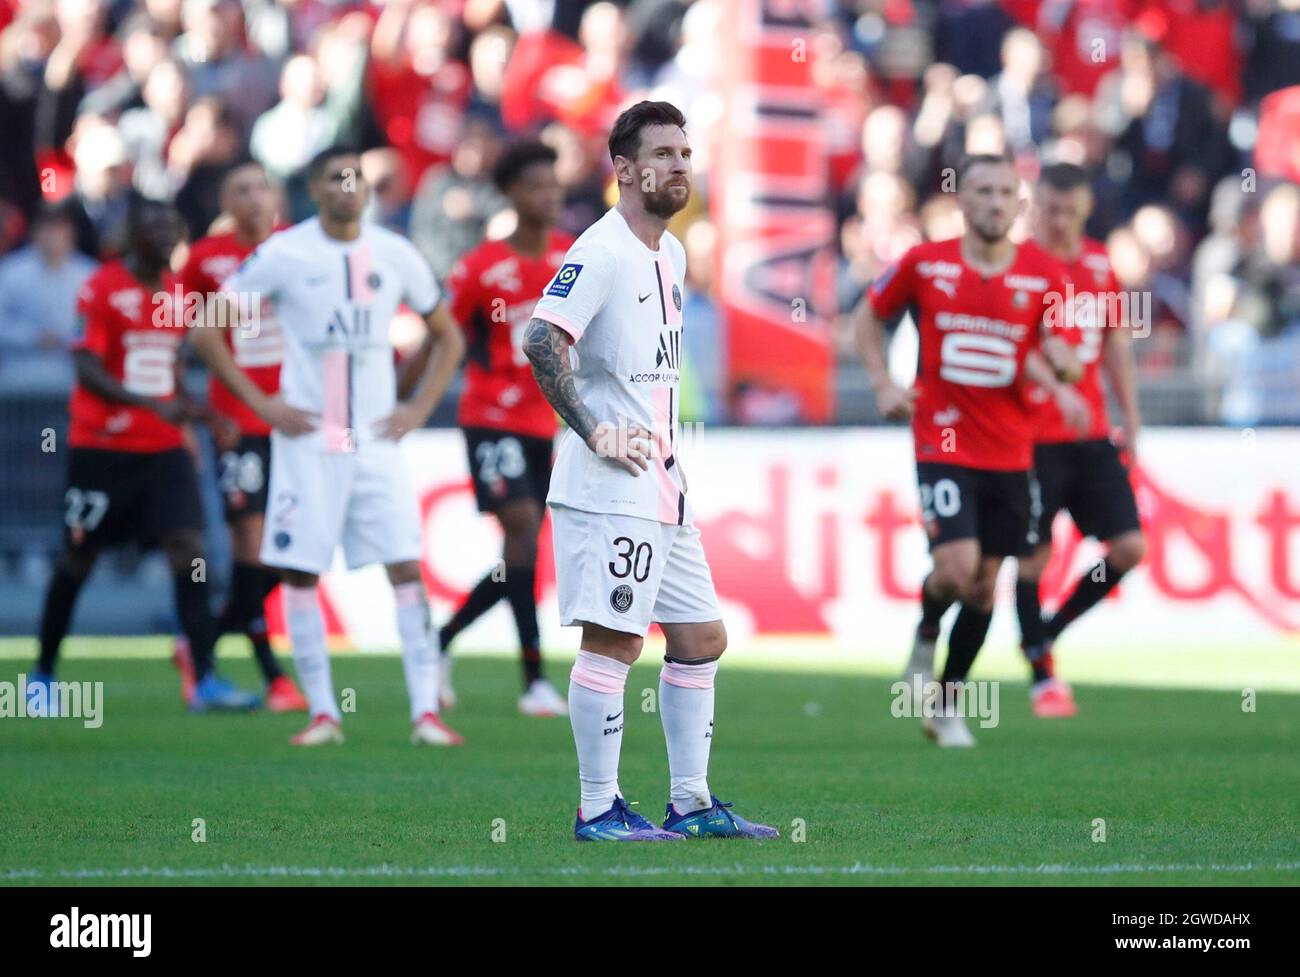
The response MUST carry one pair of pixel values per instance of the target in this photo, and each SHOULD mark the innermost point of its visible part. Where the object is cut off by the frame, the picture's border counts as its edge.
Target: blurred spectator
(1164, 317)
(1268, 276)
(84, 57)
(320, 106)
(38, 301)
(1022, 94)
(24, 46)
(418, 91)
(453, 205)
(703, 366)
(146, 131)
(489, 53)
(213, 52)
(199, 155)
(144, 46)
(390, 191)
(580, 174)
(1083, 39)
(968, 35)
(552, 77)
(1272, 46)
(101, 188)
(1167, 142)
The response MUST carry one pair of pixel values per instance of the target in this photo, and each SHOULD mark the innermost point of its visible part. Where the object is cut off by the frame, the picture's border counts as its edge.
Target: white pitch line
(616, 871)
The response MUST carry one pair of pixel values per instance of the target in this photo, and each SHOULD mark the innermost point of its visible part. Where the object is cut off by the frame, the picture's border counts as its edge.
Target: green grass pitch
(1192, 790)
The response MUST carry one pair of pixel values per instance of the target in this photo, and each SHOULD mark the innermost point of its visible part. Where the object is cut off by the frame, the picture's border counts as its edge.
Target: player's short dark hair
(1063, 176)
(59, 212)
(318, 162)
(139, 207)
(625, 137)
(517, 158)
(972, 160)
(239, 163)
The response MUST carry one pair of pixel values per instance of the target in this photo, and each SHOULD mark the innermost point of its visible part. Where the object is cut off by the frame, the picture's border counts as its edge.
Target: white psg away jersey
(335, 301)
(622, 304)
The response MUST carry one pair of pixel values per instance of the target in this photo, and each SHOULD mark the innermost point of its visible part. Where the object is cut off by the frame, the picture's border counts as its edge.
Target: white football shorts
(319, 500)
(624, 572)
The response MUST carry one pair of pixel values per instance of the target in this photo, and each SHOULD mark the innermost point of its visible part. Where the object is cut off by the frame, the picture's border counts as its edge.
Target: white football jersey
(334, 301)
(622, 304)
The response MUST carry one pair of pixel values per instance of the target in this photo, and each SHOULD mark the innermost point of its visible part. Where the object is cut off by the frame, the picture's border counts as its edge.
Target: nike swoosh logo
(610, 719)
(317, 279)
(642, 298)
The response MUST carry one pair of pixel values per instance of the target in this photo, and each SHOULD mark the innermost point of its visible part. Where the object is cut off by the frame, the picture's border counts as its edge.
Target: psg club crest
(677, 298)
(282, 540)
(373, 280)
(620, 598)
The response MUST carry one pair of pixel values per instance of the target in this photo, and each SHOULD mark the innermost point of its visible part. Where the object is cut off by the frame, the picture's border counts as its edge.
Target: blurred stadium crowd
(1186, 111)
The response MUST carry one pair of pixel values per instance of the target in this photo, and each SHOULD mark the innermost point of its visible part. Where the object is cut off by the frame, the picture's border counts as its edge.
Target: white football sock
(686, 709)
(419, 648)
(311, 658)
(596, 714)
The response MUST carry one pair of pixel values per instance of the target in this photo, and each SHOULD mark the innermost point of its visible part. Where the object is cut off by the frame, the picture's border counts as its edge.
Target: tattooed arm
(547, 348)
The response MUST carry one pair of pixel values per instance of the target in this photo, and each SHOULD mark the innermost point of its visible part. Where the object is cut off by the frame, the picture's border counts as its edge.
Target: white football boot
(947, 731)
(430, 730)
(919, 672)
(446, 692)
(541, 699)
(321, 730)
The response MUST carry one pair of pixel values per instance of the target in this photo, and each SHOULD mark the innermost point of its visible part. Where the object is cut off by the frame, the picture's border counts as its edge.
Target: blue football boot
(215, 694)
(620, 823)
(42, 701)
(718, 821)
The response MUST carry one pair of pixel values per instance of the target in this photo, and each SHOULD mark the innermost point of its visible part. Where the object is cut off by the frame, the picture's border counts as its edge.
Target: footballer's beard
(664, 204)
(991, 230)
(345, 211)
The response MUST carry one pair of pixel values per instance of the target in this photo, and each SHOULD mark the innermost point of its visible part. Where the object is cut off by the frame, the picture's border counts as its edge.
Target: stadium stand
(1186, 112)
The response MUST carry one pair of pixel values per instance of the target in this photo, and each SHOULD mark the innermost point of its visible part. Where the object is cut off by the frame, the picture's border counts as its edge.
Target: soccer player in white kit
(626, 551)
(337, 474)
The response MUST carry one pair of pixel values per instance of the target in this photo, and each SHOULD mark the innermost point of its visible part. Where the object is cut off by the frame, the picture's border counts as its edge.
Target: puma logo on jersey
(1026, 283)
(127, 301)
(947, 417)
(504, 275)
(947, 286)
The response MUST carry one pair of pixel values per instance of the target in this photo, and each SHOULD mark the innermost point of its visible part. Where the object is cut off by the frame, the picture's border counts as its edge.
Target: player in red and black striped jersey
(509, 426)
(130, 477)
(1083, 475)
(981, 303)
(243, 439)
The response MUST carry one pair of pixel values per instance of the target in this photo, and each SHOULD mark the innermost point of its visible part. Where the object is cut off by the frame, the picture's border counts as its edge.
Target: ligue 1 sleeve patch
(564, 280)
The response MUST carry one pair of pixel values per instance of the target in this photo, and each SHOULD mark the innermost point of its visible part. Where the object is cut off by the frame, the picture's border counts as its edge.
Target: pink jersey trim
(335, 419)
(661, 433)
(555, 318)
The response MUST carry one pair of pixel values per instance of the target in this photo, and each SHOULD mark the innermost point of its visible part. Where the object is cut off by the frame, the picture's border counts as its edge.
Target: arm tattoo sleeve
(547, 348)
